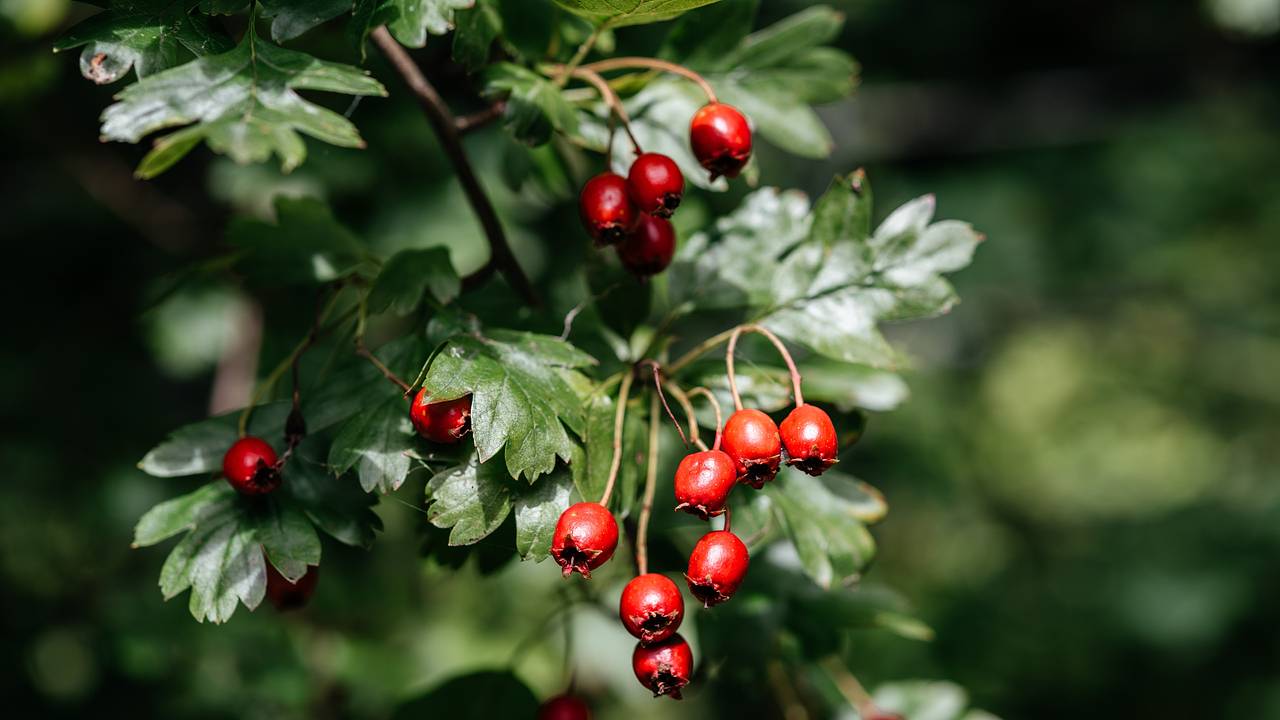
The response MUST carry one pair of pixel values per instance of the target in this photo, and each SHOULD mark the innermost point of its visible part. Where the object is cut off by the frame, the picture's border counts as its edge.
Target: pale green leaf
(146, 35)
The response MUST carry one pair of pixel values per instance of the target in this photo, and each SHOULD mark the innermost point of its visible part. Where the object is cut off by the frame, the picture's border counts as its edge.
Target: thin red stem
(622, 63)
(715, 403)
(657, 386)
(782, 350)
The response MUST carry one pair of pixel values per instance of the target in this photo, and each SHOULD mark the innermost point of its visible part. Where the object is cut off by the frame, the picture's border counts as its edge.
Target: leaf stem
(650, 483)
(619, 416)
(782, 349)
(446, 129)
(621, 63)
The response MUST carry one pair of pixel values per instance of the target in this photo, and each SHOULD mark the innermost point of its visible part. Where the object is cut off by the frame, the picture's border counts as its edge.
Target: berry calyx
(250, 466)
(586, 536)
(606, 209)
(721, 139)
(717, 566)
(663, 667)
(565, 707)
(651, 608)
(655, 184)
(649, 248)
(285, 595)
(442, 422)
(703, 482)
(751, 440)
(810, 439)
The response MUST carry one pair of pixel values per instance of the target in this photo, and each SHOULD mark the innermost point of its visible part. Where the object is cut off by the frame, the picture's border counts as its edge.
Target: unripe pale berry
(655, 184)
(703, 481)
(442, 422)
(585, 538)
(751, 440)
(663, 667)
(810, 439)
(651, 607)
(250, 466)
(721, 139)
(717, 566)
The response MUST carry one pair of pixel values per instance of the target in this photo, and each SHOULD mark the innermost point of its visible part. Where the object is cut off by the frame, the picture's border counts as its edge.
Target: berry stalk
(626, 63)
(619, 416)
(650, 482)
(715, 404)
(607, 94)
(782, 349)
(682, 398)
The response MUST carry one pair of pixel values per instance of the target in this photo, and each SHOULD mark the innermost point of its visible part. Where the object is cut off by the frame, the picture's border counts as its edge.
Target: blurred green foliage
(1082, 483)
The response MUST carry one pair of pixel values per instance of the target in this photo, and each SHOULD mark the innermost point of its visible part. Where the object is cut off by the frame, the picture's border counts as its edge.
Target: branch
(480, 118)
(446, 129)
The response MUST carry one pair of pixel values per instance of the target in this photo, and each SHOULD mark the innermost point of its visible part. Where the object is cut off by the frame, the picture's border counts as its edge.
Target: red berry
(564, 707)
(250, 466)
(285, 595)
(655, 184)
(442, 422)
(586, 536)
(716, 567)
(878, 714)
(703, 482)
(751, 439)
(663, 667)
(651, 608)
(721, 139)
(650, 246)
(810, 439)
(606, 209)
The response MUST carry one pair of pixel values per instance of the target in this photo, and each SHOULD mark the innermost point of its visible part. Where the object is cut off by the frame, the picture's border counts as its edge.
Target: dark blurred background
(1084, 491)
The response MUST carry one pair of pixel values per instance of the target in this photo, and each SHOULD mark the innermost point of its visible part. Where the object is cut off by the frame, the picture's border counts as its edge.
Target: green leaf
(146, 35)
(528, 26)
(535, 106)
(335, 504)
(617, 13)
(537, 509)
(181, 514)
(198, 448)
(410, 273)
(703, 37)
(291, 18)
(376, 443)
(477, 29)
(520, 398)
(826, 529)
(473, 499)
(928, 700)
(288, 539)
(305, 245)
(416, 19)
(242, 102)
(479, 696)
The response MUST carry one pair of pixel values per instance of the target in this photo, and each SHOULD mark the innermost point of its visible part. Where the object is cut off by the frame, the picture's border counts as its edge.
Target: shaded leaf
(199, 447)
(290, 18)
(410, 273)
(479, 696)
(416, 19)
(535, 105)
(478, 26)
(146, 35)
(617, 13)
(537, 509)
(829, 536)
(376, 443)
(305, 245)
(472, 499)
(335, 504)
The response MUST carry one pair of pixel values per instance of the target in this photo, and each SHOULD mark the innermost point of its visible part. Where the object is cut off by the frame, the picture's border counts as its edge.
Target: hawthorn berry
(650, 246)
(565, 707)
(651, 607)
(810, 439)
(721, 139)
(250, 466)
(606, 209)
(442, 422)
(751, 440)
(586, 536)
(655, 184)
(663, 667)
(285, 595)
(703, 482)
(717, 566)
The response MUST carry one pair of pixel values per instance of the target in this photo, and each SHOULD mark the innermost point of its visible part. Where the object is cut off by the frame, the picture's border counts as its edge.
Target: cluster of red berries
(632, 213)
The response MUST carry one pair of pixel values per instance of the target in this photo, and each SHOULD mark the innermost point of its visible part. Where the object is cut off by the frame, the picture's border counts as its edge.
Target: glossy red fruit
(663, 667)
(751, 440)
(250, 466)
(285, 595)
(721, 139)
(565, 707)
(703, 482)
(651, 607)
(810, 439)
(606, 209)
(441, 422)
(586, 536)
(717, 566)
(650, 246)
(655, 184)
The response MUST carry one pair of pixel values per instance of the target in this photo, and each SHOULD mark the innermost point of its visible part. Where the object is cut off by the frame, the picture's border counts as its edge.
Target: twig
(622, 63)
(650, 482)
(445, 126)
(619, 416)
(476, 120)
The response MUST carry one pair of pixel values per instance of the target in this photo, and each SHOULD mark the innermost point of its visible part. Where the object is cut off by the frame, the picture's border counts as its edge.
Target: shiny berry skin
(810, 439)
(285, 595)
(651, 608)
(650, 246)
(606, 209)
(703, 482)
(564, 707)
(586, 536)
(717, 566)
(441, 422)
(663, 667)
(721, 139)
(751, 439)
(655, 184)
(250, 466)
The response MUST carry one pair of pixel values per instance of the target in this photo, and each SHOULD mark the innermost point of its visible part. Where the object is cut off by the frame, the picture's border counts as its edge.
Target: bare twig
(476, 120)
